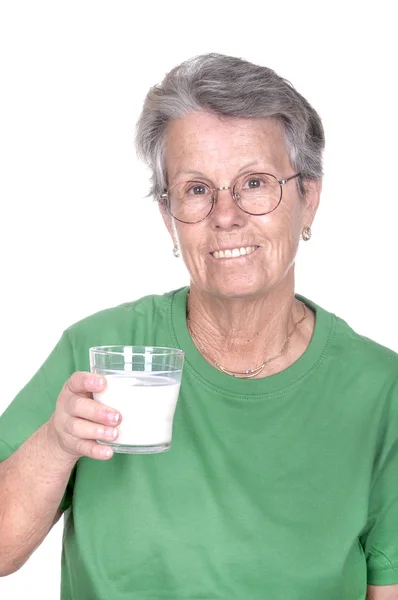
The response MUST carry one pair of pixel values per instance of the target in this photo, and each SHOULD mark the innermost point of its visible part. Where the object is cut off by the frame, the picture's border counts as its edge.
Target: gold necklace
(250, 372)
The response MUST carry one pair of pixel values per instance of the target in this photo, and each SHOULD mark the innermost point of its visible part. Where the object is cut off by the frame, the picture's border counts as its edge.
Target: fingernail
(106, 452)
(99, 383)
(111, 433)
(114, 417)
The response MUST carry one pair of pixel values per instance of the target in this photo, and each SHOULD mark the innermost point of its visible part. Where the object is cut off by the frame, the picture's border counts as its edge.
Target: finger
(94, 450)
(91, 410)
(82, 382)
(87, 430)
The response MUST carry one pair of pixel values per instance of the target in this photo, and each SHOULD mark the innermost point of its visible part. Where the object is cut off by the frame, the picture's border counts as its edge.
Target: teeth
(234, 252)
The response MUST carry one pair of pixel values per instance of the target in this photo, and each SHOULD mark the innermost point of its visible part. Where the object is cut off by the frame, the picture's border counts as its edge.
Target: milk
(146, 402)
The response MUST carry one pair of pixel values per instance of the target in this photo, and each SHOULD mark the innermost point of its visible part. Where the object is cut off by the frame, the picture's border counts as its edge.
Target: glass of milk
(143, 383)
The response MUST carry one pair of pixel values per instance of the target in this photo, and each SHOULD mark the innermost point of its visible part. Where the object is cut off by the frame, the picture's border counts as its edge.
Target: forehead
(208, 143)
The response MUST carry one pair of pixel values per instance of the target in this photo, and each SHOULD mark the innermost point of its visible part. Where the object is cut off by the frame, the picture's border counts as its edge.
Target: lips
(234, 252)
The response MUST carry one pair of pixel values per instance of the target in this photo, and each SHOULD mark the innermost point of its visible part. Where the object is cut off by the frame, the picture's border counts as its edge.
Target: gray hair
(231, 87)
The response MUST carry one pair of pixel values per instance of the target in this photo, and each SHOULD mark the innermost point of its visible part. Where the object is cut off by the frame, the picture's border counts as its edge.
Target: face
(202, 147)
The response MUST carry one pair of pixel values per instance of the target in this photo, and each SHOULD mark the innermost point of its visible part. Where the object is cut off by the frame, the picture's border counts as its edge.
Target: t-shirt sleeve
(35, 403)
(380, 537)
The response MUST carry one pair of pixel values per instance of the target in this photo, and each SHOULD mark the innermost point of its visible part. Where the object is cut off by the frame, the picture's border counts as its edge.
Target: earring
(176, 251)
(306, 234)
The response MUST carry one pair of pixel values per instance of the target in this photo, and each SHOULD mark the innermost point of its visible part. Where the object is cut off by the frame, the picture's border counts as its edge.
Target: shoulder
(145, 312)
(353, 358)
(358, 348)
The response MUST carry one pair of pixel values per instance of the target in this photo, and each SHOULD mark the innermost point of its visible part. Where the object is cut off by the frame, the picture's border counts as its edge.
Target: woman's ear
(168, 221)
(313, 188)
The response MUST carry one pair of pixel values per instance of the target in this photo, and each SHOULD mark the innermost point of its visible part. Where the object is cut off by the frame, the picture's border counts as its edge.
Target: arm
(382, 592)
(34, 478)
(32, 483)
(379, 538)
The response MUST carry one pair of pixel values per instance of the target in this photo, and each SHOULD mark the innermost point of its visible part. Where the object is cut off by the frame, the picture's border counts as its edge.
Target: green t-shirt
(281, 488)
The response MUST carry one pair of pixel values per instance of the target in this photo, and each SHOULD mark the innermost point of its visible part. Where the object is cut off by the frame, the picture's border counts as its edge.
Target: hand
(79, 420)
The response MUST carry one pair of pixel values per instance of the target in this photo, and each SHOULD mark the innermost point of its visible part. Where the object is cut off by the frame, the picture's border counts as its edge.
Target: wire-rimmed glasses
(256, 194)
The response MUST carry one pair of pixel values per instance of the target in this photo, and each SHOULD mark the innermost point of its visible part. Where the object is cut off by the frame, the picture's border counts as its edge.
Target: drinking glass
(143, 383)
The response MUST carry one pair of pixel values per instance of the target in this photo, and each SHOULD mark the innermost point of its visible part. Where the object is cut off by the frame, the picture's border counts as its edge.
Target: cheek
(283, 235)
(191, 237)
(191, 248)
(291, 219)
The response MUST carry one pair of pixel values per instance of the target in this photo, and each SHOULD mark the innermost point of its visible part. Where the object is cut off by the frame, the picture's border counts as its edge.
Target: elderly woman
(282, 479)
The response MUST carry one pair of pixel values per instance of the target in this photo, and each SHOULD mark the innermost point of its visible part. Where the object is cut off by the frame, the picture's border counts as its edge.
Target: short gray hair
(232, 87)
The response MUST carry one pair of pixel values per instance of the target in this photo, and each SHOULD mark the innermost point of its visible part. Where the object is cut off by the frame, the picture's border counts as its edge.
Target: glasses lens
(190, 201)
(258, 193)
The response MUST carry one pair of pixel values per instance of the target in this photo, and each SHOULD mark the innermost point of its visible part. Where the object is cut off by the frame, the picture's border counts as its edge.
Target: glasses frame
(235, 197)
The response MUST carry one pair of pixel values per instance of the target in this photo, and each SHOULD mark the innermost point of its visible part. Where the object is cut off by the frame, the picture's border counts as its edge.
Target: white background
(77, 233)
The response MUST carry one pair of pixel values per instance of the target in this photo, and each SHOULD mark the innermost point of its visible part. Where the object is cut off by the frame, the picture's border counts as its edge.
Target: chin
(235, 289)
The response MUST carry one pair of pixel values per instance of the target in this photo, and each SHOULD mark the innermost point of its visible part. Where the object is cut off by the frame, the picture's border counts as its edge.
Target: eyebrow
(203, 175)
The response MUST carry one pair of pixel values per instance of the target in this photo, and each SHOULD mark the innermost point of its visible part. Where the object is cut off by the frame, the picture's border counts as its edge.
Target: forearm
(32, 484)
(382, 592)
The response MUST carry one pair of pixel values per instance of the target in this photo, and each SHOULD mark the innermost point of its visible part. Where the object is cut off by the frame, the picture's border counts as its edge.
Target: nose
(226, 214)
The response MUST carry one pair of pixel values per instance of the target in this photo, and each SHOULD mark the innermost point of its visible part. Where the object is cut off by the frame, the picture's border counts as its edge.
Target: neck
(241, 333)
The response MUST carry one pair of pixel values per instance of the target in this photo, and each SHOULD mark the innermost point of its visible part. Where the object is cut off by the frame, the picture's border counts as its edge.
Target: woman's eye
(253, 184)
(198, 190)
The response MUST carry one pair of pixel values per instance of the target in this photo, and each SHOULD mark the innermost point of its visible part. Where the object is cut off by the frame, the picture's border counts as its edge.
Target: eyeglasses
(193, 201)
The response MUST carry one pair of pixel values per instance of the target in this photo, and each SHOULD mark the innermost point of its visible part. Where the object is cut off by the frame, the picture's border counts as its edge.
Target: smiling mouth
(234, 252)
